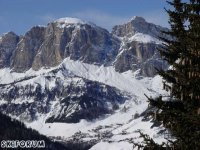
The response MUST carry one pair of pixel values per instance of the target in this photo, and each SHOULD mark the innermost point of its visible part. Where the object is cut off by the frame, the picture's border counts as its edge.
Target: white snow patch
(69, 20)
(157, 86)
(21, 101)
(144, 38)
(64, 22)
(3, 102)
(107, 75)
(112, 146)
(8, 76)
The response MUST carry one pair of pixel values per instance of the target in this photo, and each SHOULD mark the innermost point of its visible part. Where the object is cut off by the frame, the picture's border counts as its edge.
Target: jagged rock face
(128, 47)
(139, 47)
(95, 100)
(149, 68)
(27, 48)
(51, 51)
(134, 55)
(67, 98)
(48, 46)
(92, 45)
(8, 43)
(137, 25)
(143, 56)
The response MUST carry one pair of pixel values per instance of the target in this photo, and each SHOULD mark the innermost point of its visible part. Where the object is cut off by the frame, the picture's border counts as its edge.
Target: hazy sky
(20, 15)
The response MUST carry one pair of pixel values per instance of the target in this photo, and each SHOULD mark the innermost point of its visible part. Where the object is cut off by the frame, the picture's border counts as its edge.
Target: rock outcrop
(137, 25)
(48, 46)
(27, 48)
(139, 47)
(8, 43)
(130, 46)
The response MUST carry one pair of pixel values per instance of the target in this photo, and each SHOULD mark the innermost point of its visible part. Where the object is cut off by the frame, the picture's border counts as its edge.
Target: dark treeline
(11, 129)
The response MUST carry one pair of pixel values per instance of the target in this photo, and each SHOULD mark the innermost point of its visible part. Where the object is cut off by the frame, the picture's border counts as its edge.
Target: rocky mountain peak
(8, 33)
(139, 46)
(27, 48)
(8, 43)
(7, 36)
(70, 20)
(47, 46)
(137, 19)
(137, 25)
(65, 37)
(64, 22)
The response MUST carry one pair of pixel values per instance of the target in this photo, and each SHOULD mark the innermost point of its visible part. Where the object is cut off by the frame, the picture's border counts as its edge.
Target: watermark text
(22, 144)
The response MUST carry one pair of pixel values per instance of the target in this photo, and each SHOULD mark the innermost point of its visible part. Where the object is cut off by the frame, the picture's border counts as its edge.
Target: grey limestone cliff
(130, 46)
(26, 49)
(8, 43)
(48, 46)
(139, 47)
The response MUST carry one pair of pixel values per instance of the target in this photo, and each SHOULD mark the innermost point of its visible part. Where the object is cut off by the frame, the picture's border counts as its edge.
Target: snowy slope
(116, 130)
(144, 38)
(121, 126)
(113, 131)
(106, 75)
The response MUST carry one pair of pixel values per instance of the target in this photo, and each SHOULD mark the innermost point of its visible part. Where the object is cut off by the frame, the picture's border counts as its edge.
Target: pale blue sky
(20, 15)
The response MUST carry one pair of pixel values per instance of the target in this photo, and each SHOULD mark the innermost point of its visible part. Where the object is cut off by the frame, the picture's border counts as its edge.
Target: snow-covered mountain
(65, 37)
(138, 49)
(63, 95)
(130, 46)
(79, 83)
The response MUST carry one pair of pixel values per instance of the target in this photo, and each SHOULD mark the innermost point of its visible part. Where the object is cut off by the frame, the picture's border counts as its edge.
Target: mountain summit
(139, 45)
(65, 37)
(127, 47)
(138, 25)
(63, 22)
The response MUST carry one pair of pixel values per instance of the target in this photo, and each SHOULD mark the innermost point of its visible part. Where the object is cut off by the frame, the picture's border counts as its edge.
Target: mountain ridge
(125, 47)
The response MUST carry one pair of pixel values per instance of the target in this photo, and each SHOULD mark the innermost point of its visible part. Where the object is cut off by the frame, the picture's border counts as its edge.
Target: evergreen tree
(175, 51)
(193, 9)
(181, 113)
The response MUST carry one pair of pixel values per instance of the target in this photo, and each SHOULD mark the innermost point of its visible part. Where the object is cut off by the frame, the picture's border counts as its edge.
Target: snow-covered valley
(118, 129)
